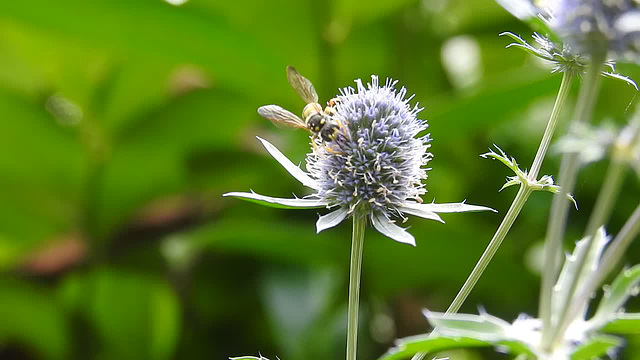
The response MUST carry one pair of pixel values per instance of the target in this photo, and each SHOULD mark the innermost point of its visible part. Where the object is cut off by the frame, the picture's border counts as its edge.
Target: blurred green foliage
(123, 122)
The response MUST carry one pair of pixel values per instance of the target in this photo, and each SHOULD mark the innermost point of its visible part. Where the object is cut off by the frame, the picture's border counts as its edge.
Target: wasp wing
(278, 115)
(302, 85)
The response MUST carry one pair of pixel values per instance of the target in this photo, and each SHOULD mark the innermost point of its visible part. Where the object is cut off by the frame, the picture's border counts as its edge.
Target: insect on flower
(323, 124)
(376, 162)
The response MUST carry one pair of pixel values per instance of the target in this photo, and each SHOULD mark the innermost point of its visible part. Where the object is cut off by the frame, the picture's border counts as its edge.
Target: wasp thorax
(310, 109)
(316, 122)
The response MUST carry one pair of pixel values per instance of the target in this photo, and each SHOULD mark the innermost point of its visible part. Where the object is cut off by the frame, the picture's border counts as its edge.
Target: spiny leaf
(616, 295)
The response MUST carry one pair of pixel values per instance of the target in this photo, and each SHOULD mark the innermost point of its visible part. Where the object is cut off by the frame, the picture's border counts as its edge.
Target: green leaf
(624, 324)
(596, 347)
(142, 32)
(30, 318)
(578, 267)
(352, 10)
(297, 304)
(482, 327)
(616, 295)
(124, 305)
(407, 347)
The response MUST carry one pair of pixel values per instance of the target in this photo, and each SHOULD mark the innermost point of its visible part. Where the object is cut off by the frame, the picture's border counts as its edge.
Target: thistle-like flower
(374, 166)
(586, 26)
(595, 25)
(562, 57)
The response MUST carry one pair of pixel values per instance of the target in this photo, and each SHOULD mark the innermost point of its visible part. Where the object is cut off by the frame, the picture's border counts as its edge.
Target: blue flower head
(611, 26)
(378, 163)
(375, 166)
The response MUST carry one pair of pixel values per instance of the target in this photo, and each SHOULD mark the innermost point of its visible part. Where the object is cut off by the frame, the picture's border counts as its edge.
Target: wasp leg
(313, 143)
(331, 150)
(342, 127)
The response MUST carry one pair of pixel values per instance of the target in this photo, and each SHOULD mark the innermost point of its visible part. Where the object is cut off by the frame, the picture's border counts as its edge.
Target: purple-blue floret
(378, 161)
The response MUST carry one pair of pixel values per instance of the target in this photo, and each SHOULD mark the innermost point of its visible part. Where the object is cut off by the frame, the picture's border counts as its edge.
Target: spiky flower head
(607, 28)
(610, 26)
(377, 162)
(374, 166)
(562, 57)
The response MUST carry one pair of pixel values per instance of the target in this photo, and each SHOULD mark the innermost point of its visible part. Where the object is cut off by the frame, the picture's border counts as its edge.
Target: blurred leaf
(295, 302)
(136, 316)
(31, 319)
(352, 10)
(624, 324)
(577, 269)
(596, 347)
(41, 173)
(254, 235)
(450, 118)
(142, 32)
(481, 327)
(617, 294)
(407, 347)
(192, 122)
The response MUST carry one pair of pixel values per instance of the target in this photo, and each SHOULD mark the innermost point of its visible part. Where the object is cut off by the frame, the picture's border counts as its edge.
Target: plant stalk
(563, 93)
(355, 270)
(560, 206)
(518, 202)
(494, 244)
(608, 194)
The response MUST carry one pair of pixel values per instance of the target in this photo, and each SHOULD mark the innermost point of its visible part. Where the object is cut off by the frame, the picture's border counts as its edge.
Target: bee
(322, 123)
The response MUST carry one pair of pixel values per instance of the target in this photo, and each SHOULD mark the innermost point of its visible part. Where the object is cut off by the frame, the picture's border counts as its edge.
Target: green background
(123, 122)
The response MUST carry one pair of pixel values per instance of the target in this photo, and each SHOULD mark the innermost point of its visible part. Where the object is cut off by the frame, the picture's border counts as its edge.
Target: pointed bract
(279, 202)
(387, 228)
(415, 209)
(453, 207)
(332, 219)
(294, 170)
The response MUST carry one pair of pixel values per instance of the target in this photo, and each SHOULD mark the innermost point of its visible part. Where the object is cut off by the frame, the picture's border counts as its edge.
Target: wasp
(322, 123)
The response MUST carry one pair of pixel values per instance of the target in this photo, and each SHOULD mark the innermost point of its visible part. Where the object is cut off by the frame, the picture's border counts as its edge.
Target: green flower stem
(560, 205)
(516, 206)
(563, 93)
(520, 199)
(496, 241)
(608, 194)
(610, 259)
(553, 243)
(355, 269)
